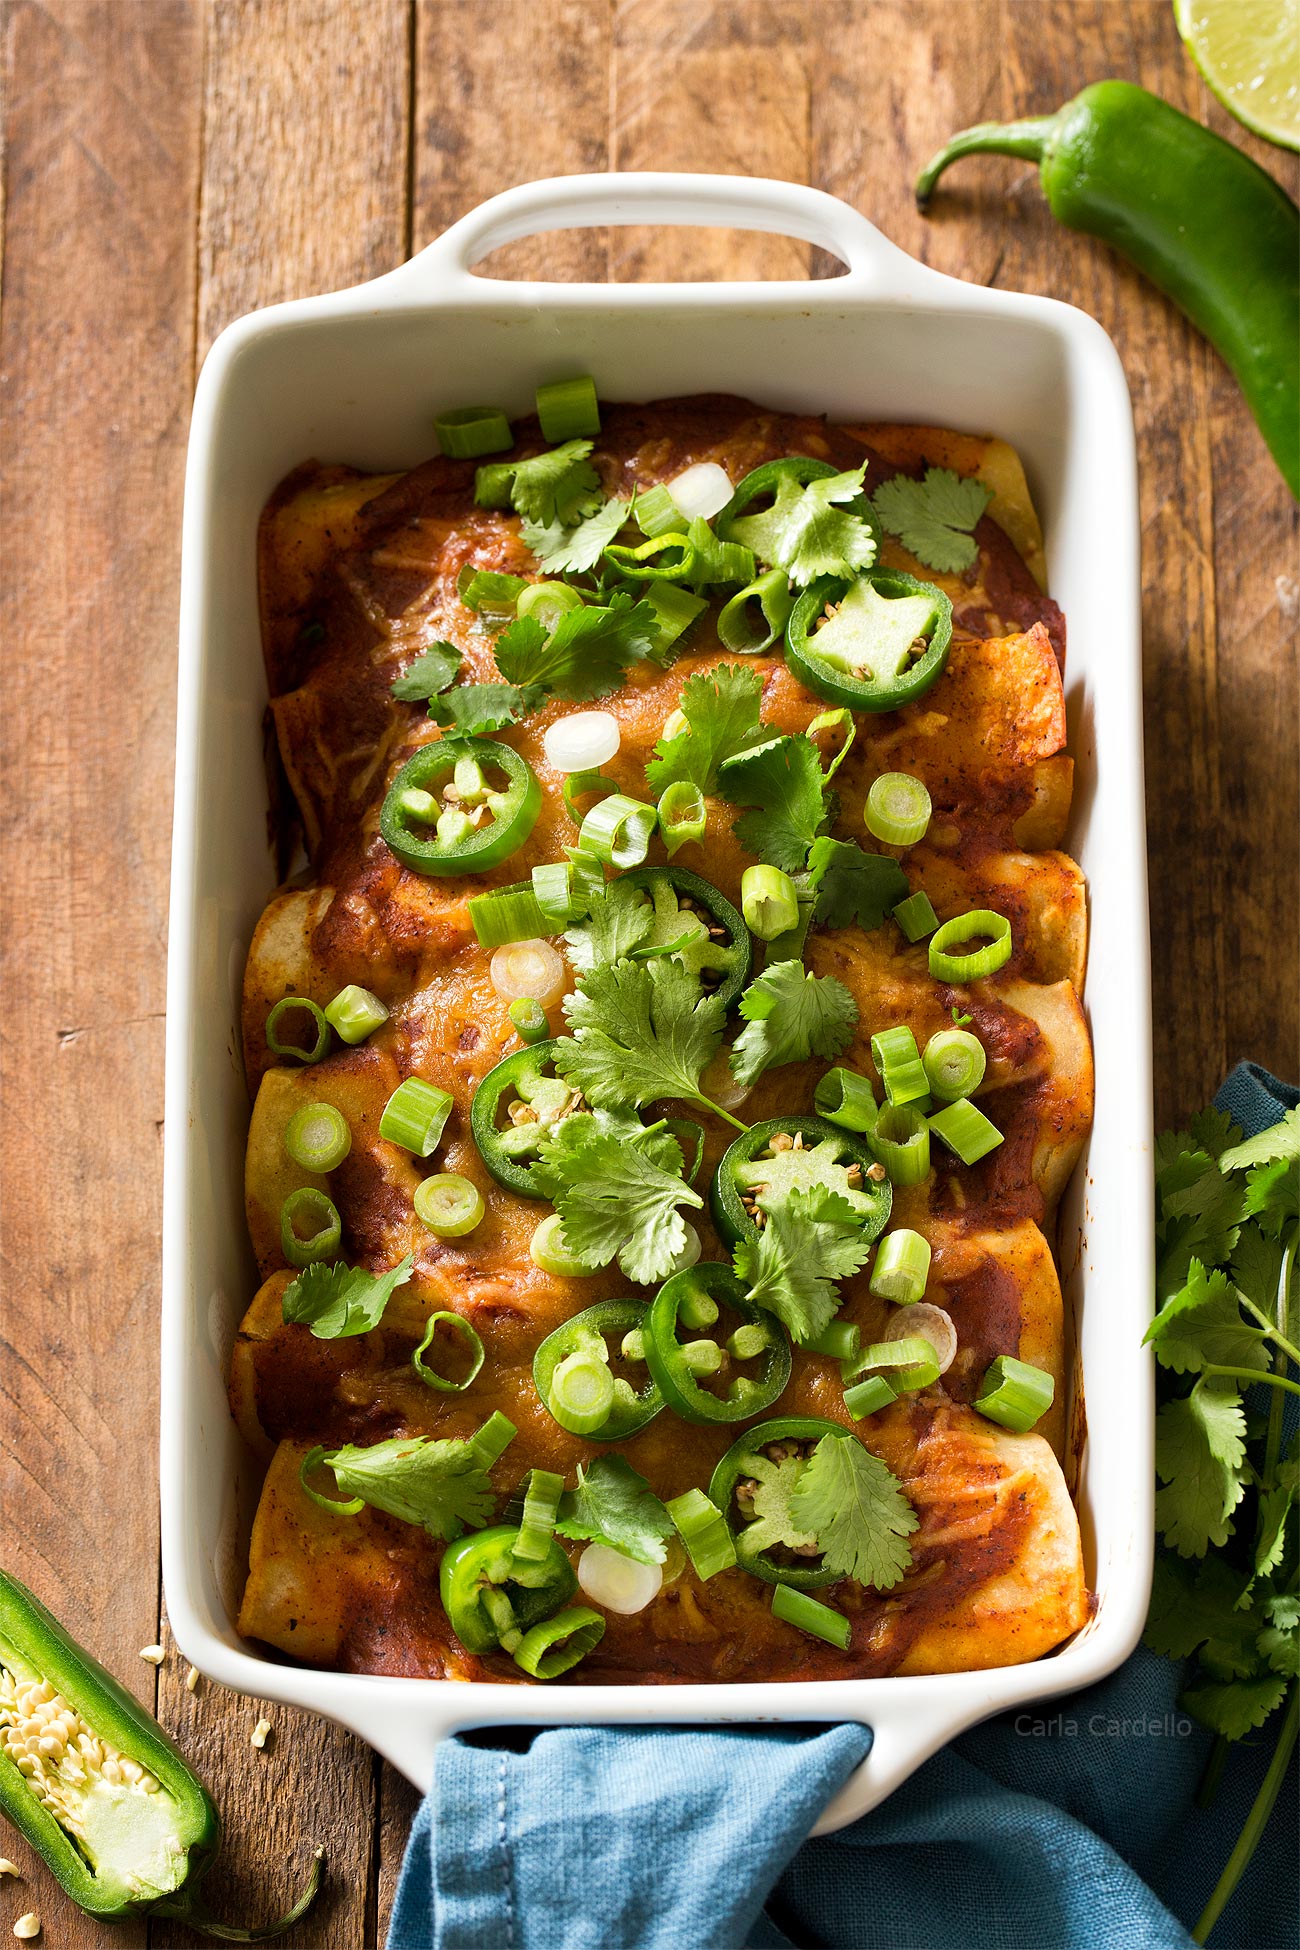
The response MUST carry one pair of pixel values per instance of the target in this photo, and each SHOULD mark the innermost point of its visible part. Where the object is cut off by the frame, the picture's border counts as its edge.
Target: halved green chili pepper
(866, 654)
(111, 1808)
(585, 1334)
(691, 1300)
(492, 1598)
(1198, 217)
(685, 905)
(762, 483)
(751, 1488)
(664, 558)
(752, 1174)
(454, 844)
(509, 1150)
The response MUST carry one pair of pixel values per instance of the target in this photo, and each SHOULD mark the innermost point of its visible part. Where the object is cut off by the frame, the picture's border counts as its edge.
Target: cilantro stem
(1255, 1823)
(718, 1111)
(1271, 1327)
(1253, 1375)
(1214, 1766)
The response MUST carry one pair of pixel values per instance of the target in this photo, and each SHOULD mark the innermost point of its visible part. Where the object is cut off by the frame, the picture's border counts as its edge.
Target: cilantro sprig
(855, 1507)
(721, 710)
(618, 1195)
(807, 531)
(782, 783)
(340, 1300)
(1226, 1594)
(614, 1505)
(810, 1239)
(585, 655)
(642, 1031)
(934, 517)
(790, 1015)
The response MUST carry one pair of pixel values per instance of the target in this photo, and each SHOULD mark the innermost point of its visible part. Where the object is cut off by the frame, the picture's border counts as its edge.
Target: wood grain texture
(96, 356)
(170, 164)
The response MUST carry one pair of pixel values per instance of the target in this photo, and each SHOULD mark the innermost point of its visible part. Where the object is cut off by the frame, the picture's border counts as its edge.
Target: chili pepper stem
(1255, 1822)
(187, 1908)
(1027, 138)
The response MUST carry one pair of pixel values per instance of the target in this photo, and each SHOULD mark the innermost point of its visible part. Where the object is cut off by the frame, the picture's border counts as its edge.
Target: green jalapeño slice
(786, 1154)
(707, 1372)
(592, 1374)
(753, 1485)
(517, 1104)
(460, 805)
(697, 925)
(872, 643)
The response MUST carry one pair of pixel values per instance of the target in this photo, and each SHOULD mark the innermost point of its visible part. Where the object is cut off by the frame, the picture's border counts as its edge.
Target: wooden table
(171, 164)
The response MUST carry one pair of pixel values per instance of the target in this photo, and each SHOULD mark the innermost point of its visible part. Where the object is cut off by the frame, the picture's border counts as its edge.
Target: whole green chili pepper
(1196, 216)
(96, 1787)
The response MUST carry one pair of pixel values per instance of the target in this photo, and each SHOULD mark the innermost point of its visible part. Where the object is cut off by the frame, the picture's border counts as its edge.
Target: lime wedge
(1249, 52)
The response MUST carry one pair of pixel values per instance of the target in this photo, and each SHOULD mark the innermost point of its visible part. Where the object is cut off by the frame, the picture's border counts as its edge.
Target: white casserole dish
(357, 376)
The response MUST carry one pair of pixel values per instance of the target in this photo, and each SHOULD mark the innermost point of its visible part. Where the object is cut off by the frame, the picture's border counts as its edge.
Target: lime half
(1249, 52)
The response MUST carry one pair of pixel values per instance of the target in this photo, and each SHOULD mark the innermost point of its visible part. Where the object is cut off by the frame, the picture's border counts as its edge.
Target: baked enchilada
(667, 1067)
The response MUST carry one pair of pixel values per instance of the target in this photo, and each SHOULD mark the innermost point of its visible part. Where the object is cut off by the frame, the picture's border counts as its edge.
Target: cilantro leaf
(1200, 1217)
(618, 921)
(560, 549)
(1196, 1608)
(475, 710)
(933, 518)
(1281, 1649)
(431, 672)
(559, 485)
(782, 781)
(772, 1503)
(854, 885)
(856, 1509)
(1213, 1131)
(810, 1240)
(1273, 1196)
(616, 1200)
(805, 533)
(1200, 1450)
(1281, 1140)
(1201, 1324)
(721, 710)
(1237, 1707)
(340, 1300)
(613, 1505)
(1275, 1507)
(641, 1031)
(1257, 1267)
(585, 655)
(440, 1485)
(790, 1015)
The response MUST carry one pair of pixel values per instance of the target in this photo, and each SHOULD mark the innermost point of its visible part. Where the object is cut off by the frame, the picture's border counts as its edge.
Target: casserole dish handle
(873, 265)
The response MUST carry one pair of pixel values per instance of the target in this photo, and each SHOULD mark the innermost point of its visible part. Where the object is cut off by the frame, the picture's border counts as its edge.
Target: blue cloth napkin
(1069, 1827)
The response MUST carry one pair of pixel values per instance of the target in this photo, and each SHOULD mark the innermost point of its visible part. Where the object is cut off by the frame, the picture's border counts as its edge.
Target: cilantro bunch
(1226, 1594)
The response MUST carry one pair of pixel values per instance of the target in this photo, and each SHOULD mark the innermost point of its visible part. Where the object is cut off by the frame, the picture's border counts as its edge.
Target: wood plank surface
(170, 164)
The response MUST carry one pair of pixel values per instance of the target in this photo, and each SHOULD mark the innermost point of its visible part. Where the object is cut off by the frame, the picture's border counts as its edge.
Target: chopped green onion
(756, 615)
(619, 830)
(468, 431)
(302, 1005)
(841, 721)
(355, 1013)
(567, 409)
(954, 1062)
(547, 601)
(898, 809)
(916, 916)
(701, 1528)
(902, 1267)
(966, 1130)
(716, 561)
(841, 1341)
(529, 1019)
(750, 1340)
(449, 1205)
(847, 1099)
(493, 1439)
(868, 1397)
(317, 1137)
(900, 1139)
(548, 1250)
(508, 914)
(558, 1643)
(313, 1460)
(578, 785)
(810, 1615)
(945, 966)
(588, 876)
(308, 1207)
(541, 1508)
(682, 815)
(657, 513)
(490, 592)
(553, 892)
(468, 1333)
(415, 1116)
(912, 1363)
(1014, 1393)
(675, 610)
(769, 902)
(664, 558)
(581, 1392)
(898, 1061)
